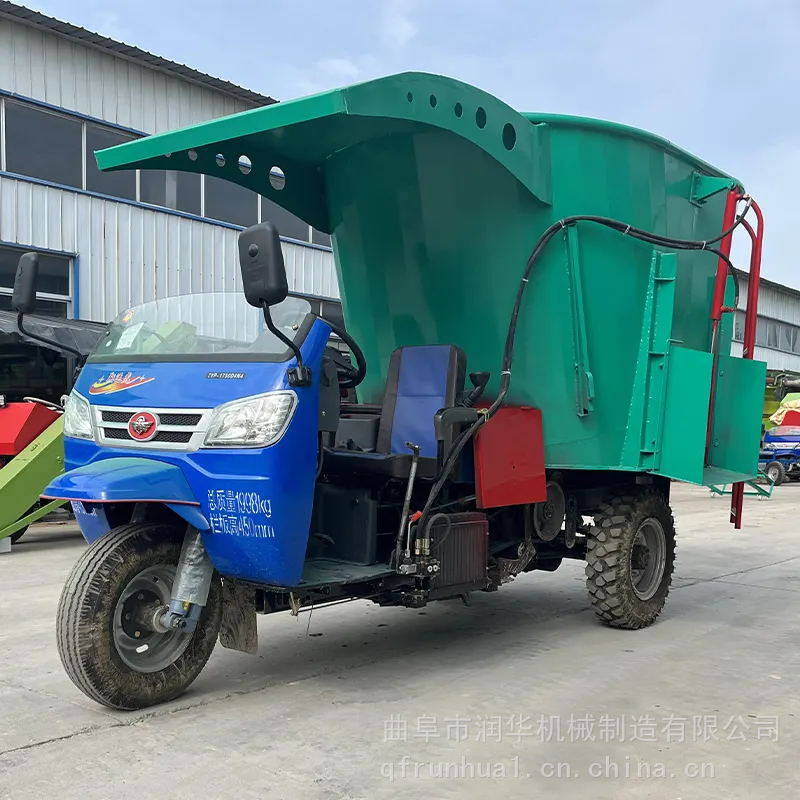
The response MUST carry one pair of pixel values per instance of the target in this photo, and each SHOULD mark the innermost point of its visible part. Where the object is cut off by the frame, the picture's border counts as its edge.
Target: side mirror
(261, 261)
(24, 298)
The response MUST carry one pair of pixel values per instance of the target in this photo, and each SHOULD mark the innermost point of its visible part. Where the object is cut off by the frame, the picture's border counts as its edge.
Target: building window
(179, 191)
(770, 333)
(288, 225)
(115, 184)
(229, 202)
(58, 148)
(43, 145)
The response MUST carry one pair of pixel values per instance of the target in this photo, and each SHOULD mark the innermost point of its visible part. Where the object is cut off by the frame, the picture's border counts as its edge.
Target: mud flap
(239, 630)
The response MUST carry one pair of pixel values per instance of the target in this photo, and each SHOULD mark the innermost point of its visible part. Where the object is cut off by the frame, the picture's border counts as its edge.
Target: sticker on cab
(118, 382)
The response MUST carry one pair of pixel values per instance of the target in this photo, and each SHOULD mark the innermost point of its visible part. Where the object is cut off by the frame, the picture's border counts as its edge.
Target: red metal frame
(751, 316)
(717, 307)
(750, 322)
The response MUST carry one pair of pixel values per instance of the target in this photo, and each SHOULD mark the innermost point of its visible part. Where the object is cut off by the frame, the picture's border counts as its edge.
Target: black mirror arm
(61, 348)
(301, 374)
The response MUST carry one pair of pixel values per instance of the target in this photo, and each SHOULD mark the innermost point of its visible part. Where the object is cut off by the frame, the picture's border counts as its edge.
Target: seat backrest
(420, 381)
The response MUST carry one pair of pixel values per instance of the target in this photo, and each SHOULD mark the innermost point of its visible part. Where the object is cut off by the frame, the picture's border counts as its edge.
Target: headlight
(253, 422)
(77, 417)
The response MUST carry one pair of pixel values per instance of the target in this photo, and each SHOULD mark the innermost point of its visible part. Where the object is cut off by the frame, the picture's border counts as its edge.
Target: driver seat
(421, 380)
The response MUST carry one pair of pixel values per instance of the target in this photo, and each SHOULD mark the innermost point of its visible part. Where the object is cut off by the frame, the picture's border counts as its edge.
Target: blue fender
(125, 480)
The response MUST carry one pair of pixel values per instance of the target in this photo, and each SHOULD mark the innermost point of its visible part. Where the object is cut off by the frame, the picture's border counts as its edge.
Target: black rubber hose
(508, 351)
(448, 527)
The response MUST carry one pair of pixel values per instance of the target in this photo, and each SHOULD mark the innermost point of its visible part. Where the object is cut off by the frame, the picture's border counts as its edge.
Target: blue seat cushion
(421, 380)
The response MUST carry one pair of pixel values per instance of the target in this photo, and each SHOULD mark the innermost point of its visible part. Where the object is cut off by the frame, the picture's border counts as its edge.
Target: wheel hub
(141, 643)
(648, 558)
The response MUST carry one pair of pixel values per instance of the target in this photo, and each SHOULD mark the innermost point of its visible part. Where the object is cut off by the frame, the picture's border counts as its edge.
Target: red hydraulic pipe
(725, 247)
(720, 282)
(750, 322)
(751, 315)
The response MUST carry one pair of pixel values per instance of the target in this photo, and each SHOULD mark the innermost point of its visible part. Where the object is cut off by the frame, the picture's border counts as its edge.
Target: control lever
(412, 475)
(479, 381)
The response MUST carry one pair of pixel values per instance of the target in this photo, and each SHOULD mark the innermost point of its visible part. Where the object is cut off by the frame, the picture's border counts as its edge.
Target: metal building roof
(26, 16)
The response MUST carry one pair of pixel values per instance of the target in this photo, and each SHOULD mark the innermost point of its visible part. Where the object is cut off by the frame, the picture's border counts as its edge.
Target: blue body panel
(125, 479)
(258, 502)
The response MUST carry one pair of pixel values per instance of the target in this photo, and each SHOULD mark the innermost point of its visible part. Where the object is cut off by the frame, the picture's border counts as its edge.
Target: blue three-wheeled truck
(225, 457)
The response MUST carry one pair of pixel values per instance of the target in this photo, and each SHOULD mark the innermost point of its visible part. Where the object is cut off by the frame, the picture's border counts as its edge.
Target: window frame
(30, 107)
(84, 121)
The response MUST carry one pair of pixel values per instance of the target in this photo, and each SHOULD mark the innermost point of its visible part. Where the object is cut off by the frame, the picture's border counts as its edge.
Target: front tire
(630, 559)
(95, 637)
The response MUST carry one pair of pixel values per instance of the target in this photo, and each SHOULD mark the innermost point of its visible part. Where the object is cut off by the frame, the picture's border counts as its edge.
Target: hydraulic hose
(508, 351)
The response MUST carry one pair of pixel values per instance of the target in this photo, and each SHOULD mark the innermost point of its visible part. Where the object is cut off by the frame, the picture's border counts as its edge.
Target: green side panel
(683, 441)
(24, 478)
(736, 429)
(435, 193)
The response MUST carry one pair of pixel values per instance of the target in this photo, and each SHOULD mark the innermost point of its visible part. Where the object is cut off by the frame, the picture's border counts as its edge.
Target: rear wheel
(776, 472)
(106, 641)
(630, 559)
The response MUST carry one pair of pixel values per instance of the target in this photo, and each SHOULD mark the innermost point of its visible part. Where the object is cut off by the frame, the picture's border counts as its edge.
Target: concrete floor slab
(343, 713)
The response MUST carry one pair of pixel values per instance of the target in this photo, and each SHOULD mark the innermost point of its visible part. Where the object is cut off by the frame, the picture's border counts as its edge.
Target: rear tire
(776, 472)
(88, 628)
(630, 558)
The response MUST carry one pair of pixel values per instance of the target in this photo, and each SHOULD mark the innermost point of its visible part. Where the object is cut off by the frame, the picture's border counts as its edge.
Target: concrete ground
(707, 699)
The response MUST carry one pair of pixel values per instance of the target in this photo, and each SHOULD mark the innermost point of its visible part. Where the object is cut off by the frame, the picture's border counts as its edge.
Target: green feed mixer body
(435, 193)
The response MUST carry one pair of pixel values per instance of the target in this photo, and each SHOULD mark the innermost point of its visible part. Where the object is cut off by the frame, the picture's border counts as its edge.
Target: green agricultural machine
(577, 271)
(31, 428)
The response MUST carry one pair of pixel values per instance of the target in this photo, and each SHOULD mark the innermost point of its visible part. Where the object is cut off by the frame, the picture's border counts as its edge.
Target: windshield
(215, 326)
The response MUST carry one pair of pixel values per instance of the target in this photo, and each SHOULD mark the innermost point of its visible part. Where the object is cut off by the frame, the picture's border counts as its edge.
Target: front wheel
(630, 558)
(104, 640)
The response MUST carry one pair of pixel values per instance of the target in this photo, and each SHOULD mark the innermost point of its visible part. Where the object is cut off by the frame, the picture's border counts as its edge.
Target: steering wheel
(45, 403)
(349, 376)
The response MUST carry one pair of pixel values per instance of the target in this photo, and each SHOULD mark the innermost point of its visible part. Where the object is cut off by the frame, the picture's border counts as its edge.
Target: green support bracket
(756, 490)
(584, 380)
(705, 186)
(654, 357)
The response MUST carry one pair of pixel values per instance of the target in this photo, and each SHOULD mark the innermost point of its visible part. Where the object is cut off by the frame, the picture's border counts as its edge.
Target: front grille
(175, 437)
(179, 419)
(164, 419)
(116, 416)
(176, 427)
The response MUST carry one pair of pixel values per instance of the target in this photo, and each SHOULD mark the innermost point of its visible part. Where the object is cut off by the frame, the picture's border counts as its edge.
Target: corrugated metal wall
(774, 303)
(67, 74)
(128, 254)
